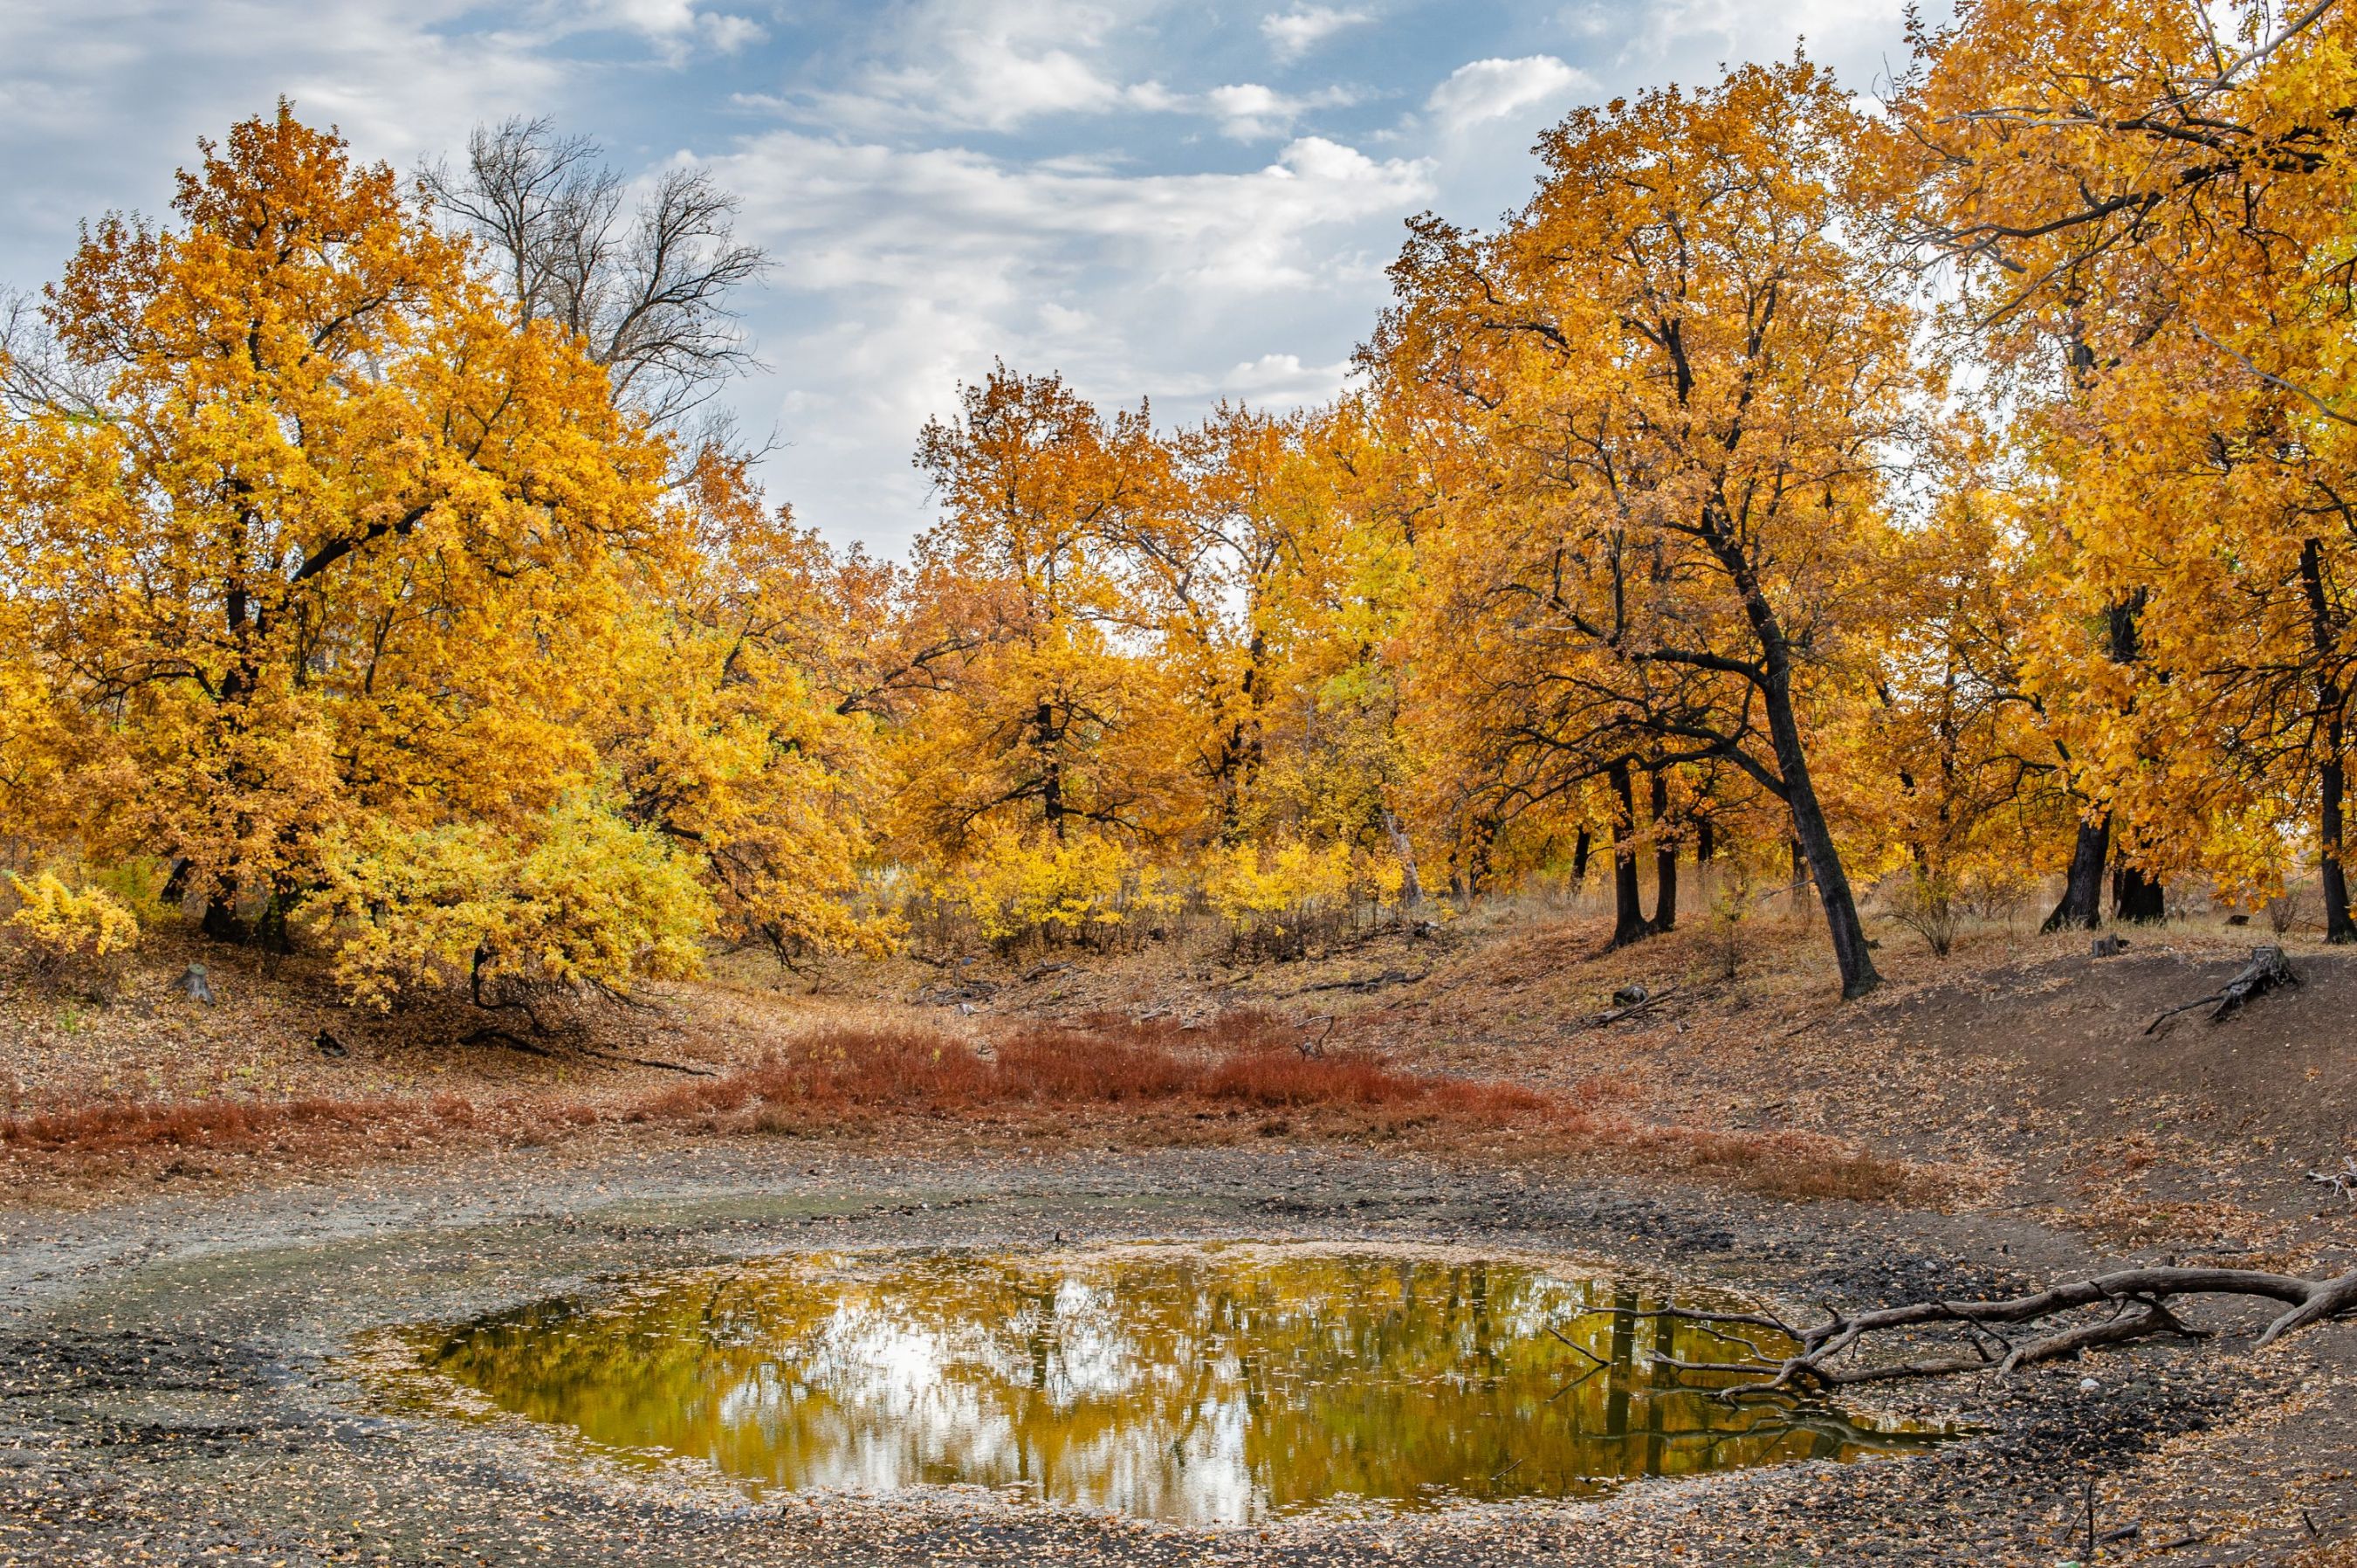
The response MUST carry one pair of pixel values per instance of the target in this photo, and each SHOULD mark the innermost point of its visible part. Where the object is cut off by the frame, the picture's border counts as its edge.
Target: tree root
(2139, 1299)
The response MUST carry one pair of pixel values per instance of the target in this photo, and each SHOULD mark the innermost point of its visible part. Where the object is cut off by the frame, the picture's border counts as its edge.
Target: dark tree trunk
(1628, 913)
(1705, 841)
(2138, 898)
(1051, 778)
(2332, 780)
(2082, 905)
(1580, 848)
(2338, 927)
(220, 922)
(1480, 841)
(1854, 958)
(1800, 874)
(1665, 859)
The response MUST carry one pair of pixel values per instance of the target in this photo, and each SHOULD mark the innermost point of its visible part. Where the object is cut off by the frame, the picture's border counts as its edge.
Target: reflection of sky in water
(1205, 1385)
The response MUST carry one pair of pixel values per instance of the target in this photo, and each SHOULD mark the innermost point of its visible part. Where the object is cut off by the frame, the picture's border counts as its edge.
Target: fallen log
(1362, 984)
(2268, 970)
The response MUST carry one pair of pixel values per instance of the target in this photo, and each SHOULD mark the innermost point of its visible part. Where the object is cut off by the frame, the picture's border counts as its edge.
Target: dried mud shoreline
(178, 1384)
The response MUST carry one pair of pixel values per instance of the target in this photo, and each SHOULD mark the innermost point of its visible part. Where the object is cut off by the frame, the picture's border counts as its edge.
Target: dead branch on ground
(1648, 1000)
(1832, 1355)
(2268, 970)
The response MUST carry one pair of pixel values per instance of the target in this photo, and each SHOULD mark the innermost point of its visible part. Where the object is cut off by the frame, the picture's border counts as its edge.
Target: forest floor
(205, 1205)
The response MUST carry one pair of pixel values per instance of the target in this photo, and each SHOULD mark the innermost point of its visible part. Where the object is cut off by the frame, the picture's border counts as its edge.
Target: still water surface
(1193, 1383)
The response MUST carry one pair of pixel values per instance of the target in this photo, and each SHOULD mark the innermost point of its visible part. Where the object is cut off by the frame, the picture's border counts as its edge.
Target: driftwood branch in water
(2139, 1299)
(2267, 969)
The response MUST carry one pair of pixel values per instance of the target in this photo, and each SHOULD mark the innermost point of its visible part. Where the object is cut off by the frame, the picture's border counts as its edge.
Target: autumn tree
(1693, 377)
(344, 587)
(1049, 750)
(2141, 209)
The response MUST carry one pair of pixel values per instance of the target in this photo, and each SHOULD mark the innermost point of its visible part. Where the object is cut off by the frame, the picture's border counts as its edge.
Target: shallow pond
(1193, 1383)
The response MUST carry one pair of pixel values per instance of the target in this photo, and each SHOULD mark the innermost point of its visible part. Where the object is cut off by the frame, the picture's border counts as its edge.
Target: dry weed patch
(1141, 1078)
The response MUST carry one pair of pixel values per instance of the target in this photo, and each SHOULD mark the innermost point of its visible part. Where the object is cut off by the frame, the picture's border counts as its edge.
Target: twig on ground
(1614, 1014)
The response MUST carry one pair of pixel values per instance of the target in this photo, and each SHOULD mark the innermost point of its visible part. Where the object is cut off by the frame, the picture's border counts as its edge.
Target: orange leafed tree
(340, 588)
(1689, 381)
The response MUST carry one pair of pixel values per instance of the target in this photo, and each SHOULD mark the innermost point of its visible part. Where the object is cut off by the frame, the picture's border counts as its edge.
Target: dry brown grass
(1154, 1082)
(154, 1086)
(853, 1074)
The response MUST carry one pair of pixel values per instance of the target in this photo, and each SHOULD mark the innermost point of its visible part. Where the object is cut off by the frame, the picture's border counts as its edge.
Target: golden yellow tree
(1691, 376)
(2147, 207)
(1049, 747)
(341, 587)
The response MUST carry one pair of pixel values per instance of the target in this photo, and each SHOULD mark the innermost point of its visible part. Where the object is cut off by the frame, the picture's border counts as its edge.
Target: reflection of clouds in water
(1205, 1386)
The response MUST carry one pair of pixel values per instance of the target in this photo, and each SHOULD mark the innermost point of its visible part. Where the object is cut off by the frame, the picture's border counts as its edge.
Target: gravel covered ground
(180, 1385)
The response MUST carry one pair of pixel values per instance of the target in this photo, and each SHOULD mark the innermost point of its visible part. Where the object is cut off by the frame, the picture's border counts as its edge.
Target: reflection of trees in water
(1178, 1383)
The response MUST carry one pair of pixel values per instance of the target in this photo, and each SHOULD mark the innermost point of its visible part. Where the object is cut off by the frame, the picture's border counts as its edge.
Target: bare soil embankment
(210, 1204)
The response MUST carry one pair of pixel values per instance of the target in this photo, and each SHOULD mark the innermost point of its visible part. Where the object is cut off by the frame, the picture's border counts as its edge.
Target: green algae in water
(1197, 1384)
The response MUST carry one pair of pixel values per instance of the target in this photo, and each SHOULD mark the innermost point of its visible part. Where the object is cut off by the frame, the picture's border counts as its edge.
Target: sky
(1178, 202)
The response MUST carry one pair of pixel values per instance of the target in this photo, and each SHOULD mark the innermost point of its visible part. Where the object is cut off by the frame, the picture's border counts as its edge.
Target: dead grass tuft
(212, 1123)
(849, 1075)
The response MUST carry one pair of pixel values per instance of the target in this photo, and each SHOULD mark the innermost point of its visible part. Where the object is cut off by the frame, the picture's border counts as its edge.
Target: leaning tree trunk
(1814, 834)
(1411, 885)
(2331, 780)
(2082, 905)
(1628, 911)
(1665, 859)
(1579, 849)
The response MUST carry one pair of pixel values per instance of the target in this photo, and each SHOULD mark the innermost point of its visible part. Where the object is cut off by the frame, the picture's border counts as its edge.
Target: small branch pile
(2141, 1308)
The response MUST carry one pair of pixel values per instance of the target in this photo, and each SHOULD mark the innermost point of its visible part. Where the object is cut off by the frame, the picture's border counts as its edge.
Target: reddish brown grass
(1150, 1081)
(228, 1127)
(126, 1125)
(853, 1074)
(1117, 1071)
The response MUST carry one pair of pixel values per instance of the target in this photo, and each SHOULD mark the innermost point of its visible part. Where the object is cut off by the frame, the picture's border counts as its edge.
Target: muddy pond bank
(180, 1383)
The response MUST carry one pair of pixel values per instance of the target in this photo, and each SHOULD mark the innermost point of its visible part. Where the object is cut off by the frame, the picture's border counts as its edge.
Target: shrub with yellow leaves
(1276, 901)
(585, 903)
(67, 930)
(1080, 886)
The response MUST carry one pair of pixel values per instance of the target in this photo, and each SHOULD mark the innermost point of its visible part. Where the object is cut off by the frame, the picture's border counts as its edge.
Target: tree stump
(195, 986)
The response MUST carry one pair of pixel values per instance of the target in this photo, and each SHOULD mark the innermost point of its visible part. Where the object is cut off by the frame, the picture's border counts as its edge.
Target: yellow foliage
(587, 901)
(1247, 883)
(63, 924)
(1014, 887)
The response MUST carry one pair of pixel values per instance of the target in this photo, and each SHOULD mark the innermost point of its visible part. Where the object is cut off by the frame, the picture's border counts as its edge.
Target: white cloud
(1292, 33)
(730, 34)
(1250, 113)
(990, 65)
(1494, 89)
(676, 28)
(905, 269)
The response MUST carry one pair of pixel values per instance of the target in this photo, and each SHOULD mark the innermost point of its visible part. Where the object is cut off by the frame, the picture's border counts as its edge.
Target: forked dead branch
(2008, 1335)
